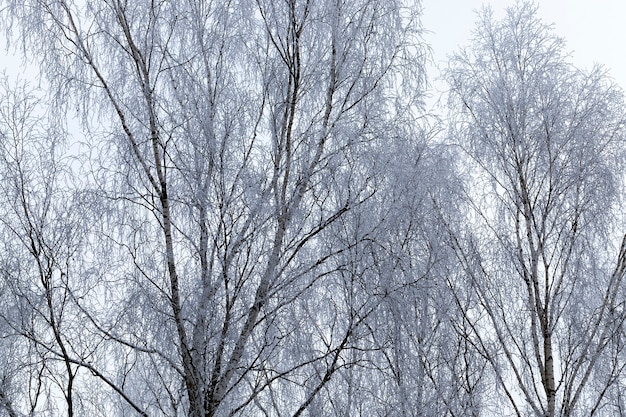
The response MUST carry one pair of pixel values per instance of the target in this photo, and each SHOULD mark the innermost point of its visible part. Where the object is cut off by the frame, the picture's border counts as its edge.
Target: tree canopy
(244, 208)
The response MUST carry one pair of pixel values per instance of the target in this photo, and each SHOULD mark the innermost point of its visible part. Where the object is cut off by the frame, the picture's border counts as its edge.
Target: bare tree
(234, 170)
(38, 244)
(543, 142)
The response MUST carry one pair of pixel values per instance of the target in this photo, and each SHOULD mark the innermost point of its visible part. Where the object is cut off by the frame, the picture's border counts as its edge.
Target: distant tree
(544, 252)
(39, 238)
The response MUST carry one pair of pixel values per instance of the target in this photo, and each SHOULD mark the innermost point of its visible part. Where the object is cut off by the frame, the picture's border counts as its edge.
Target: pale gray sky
(594, 31)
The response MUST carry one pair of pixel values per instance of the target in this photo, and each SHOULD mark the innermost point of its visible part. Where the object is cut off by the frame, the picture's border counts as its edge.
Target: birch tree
(545, 255)
(233, 157)
(39, 240)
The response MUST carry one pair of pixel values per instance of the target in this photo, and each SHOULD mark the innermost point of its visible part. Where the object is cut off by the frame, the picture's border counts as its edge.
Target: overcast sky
(595, 31)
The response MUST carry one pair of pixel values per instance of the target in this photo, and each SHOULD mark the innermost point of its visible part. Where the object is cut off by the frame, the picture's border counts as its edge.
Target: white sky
(594, 31)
